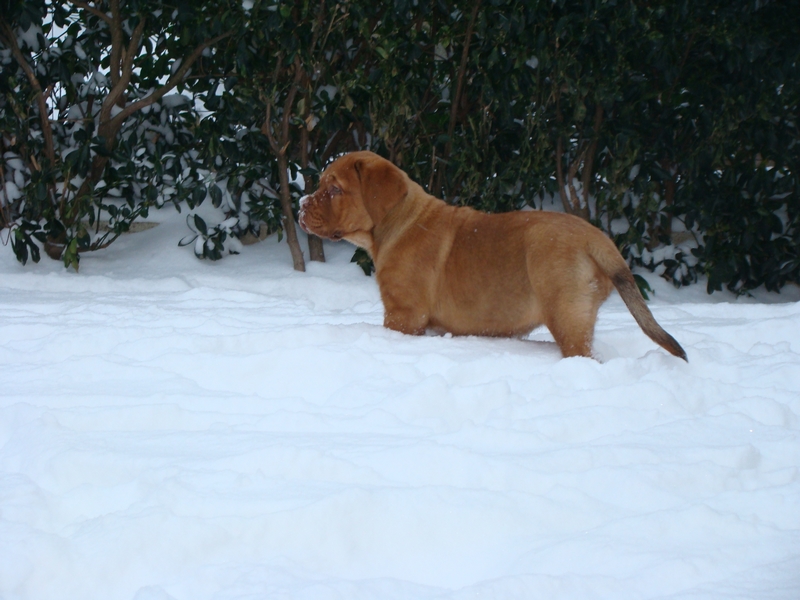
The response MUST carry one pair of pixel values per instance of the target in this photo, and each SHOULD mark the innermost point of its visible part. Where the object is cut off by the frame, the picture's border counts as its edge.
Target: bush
(672, 126)
(92, 127)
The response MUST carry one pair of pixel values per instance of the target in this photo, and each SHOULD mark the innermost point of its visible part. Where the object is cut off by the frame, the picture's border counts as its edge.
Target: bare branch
(580, 155)
(560, 175)
(318, 25)
(456, 99)
(433, 169)
(289, 103)
(461, 71)
(133, 46)
(92, 9)
(5, 210)
(117, 44)
(281, 143)
(125, 71)
(588, 166)
(333, 143)
(119, 81)
(573, 193)
(132, 49)
(9, 38)
(173, 81)
(266, 128)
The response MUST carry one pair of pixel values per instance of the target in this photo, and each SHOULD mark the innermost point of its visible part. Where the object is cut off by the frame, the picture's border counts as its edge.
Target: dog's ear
(383, 185)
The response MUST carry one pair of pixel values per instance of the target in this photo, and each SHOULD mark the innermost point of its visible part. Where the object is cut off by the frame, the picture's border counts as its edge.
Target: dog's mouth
(312, 224)
(312, 229)
(303, 213)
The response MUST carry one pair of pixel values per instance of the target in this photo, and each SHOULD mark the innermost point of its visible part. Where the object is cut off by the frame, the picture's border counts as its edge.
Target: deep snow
(173, 428)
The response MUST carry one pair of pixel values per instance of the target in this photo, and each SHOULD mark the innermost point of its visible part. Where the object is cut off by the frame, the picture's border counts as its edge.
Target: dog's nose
(304, 201)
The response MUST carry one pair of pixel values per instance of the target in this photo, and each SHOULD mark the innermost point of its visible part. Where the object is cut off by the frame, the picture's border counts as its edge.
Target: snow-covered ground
(179, 429)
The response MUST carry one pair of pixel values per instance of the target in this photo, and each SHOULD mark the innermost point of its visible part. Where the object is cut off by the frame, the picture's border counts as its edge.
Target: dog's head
(355, 193)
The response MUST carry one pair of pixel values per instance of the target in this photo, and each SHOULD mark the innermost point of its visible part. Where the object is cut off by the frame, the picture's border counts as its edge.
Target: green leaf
(362, 258)
(71, 256)
(189, 239)
(216, 195)
(643, 286)
(35, 255)
(20, 247)
(198, 195)
(201, 226)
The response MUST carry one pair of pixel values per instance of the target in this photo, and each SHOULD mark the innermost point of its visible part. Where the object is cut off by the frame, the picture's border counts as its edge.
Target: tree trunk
(279, 142)
(584, 155)
(315, 250)
(288, 216)
(456, 101)
(669, 186)
(588, 161)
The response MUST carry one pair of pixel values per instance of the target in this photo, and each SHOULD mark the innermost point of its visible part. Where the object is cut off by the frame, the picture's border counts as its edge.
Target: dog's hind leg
(572, 326)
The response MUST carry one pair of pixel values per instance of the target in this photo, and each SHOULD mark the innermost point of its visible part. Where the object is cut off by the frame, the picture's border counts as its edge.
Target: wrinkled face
(336, 210)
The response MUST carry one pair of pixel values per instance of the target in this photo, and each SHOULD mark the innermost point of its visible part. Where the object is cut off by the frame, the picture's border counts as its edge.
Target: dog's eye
(335, 190)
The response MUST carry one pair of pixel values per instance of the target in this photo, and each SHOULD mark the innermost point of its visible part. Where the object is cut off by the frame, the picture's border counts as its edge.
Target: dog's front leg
(405, 320)
(405, 295)
(404, 317)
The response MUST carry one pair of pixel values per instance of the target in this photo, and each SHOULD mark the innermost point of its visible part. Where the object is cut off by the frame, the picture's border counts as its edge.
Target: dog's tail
(608, 258)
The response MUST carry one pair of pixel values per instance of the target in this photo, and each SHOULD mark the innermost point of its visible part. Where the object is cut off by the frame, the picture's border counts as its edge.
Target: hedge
(671, 125)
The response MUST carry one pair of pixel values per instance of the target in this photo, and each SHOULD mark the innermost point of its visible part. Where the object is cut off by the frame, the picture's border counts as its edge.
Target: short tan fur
(457, 270)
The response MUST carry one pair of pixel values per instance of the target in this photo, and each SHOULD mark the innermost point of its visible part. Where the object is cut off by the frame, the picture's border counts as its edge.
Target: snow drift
(178, 429)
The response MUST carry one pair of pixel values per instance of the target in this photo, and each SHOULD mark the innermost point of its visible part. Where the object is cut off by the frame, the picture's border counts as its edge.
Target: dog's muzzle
(301, 215)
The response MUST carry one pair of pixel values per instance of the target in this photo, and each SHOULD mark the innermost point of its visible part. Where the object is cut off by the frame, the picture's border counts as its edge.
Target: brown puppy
(459, 270)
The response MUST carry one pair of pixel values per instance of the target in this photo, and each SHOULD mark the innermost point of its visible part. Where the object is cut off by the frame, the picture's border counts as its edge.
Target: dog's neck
(404, 216)
(362, 239)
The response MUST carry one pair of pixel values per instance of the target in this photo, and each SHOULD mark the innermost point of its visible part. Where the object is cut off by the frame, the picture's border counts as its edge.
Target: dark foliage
(671, 125)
